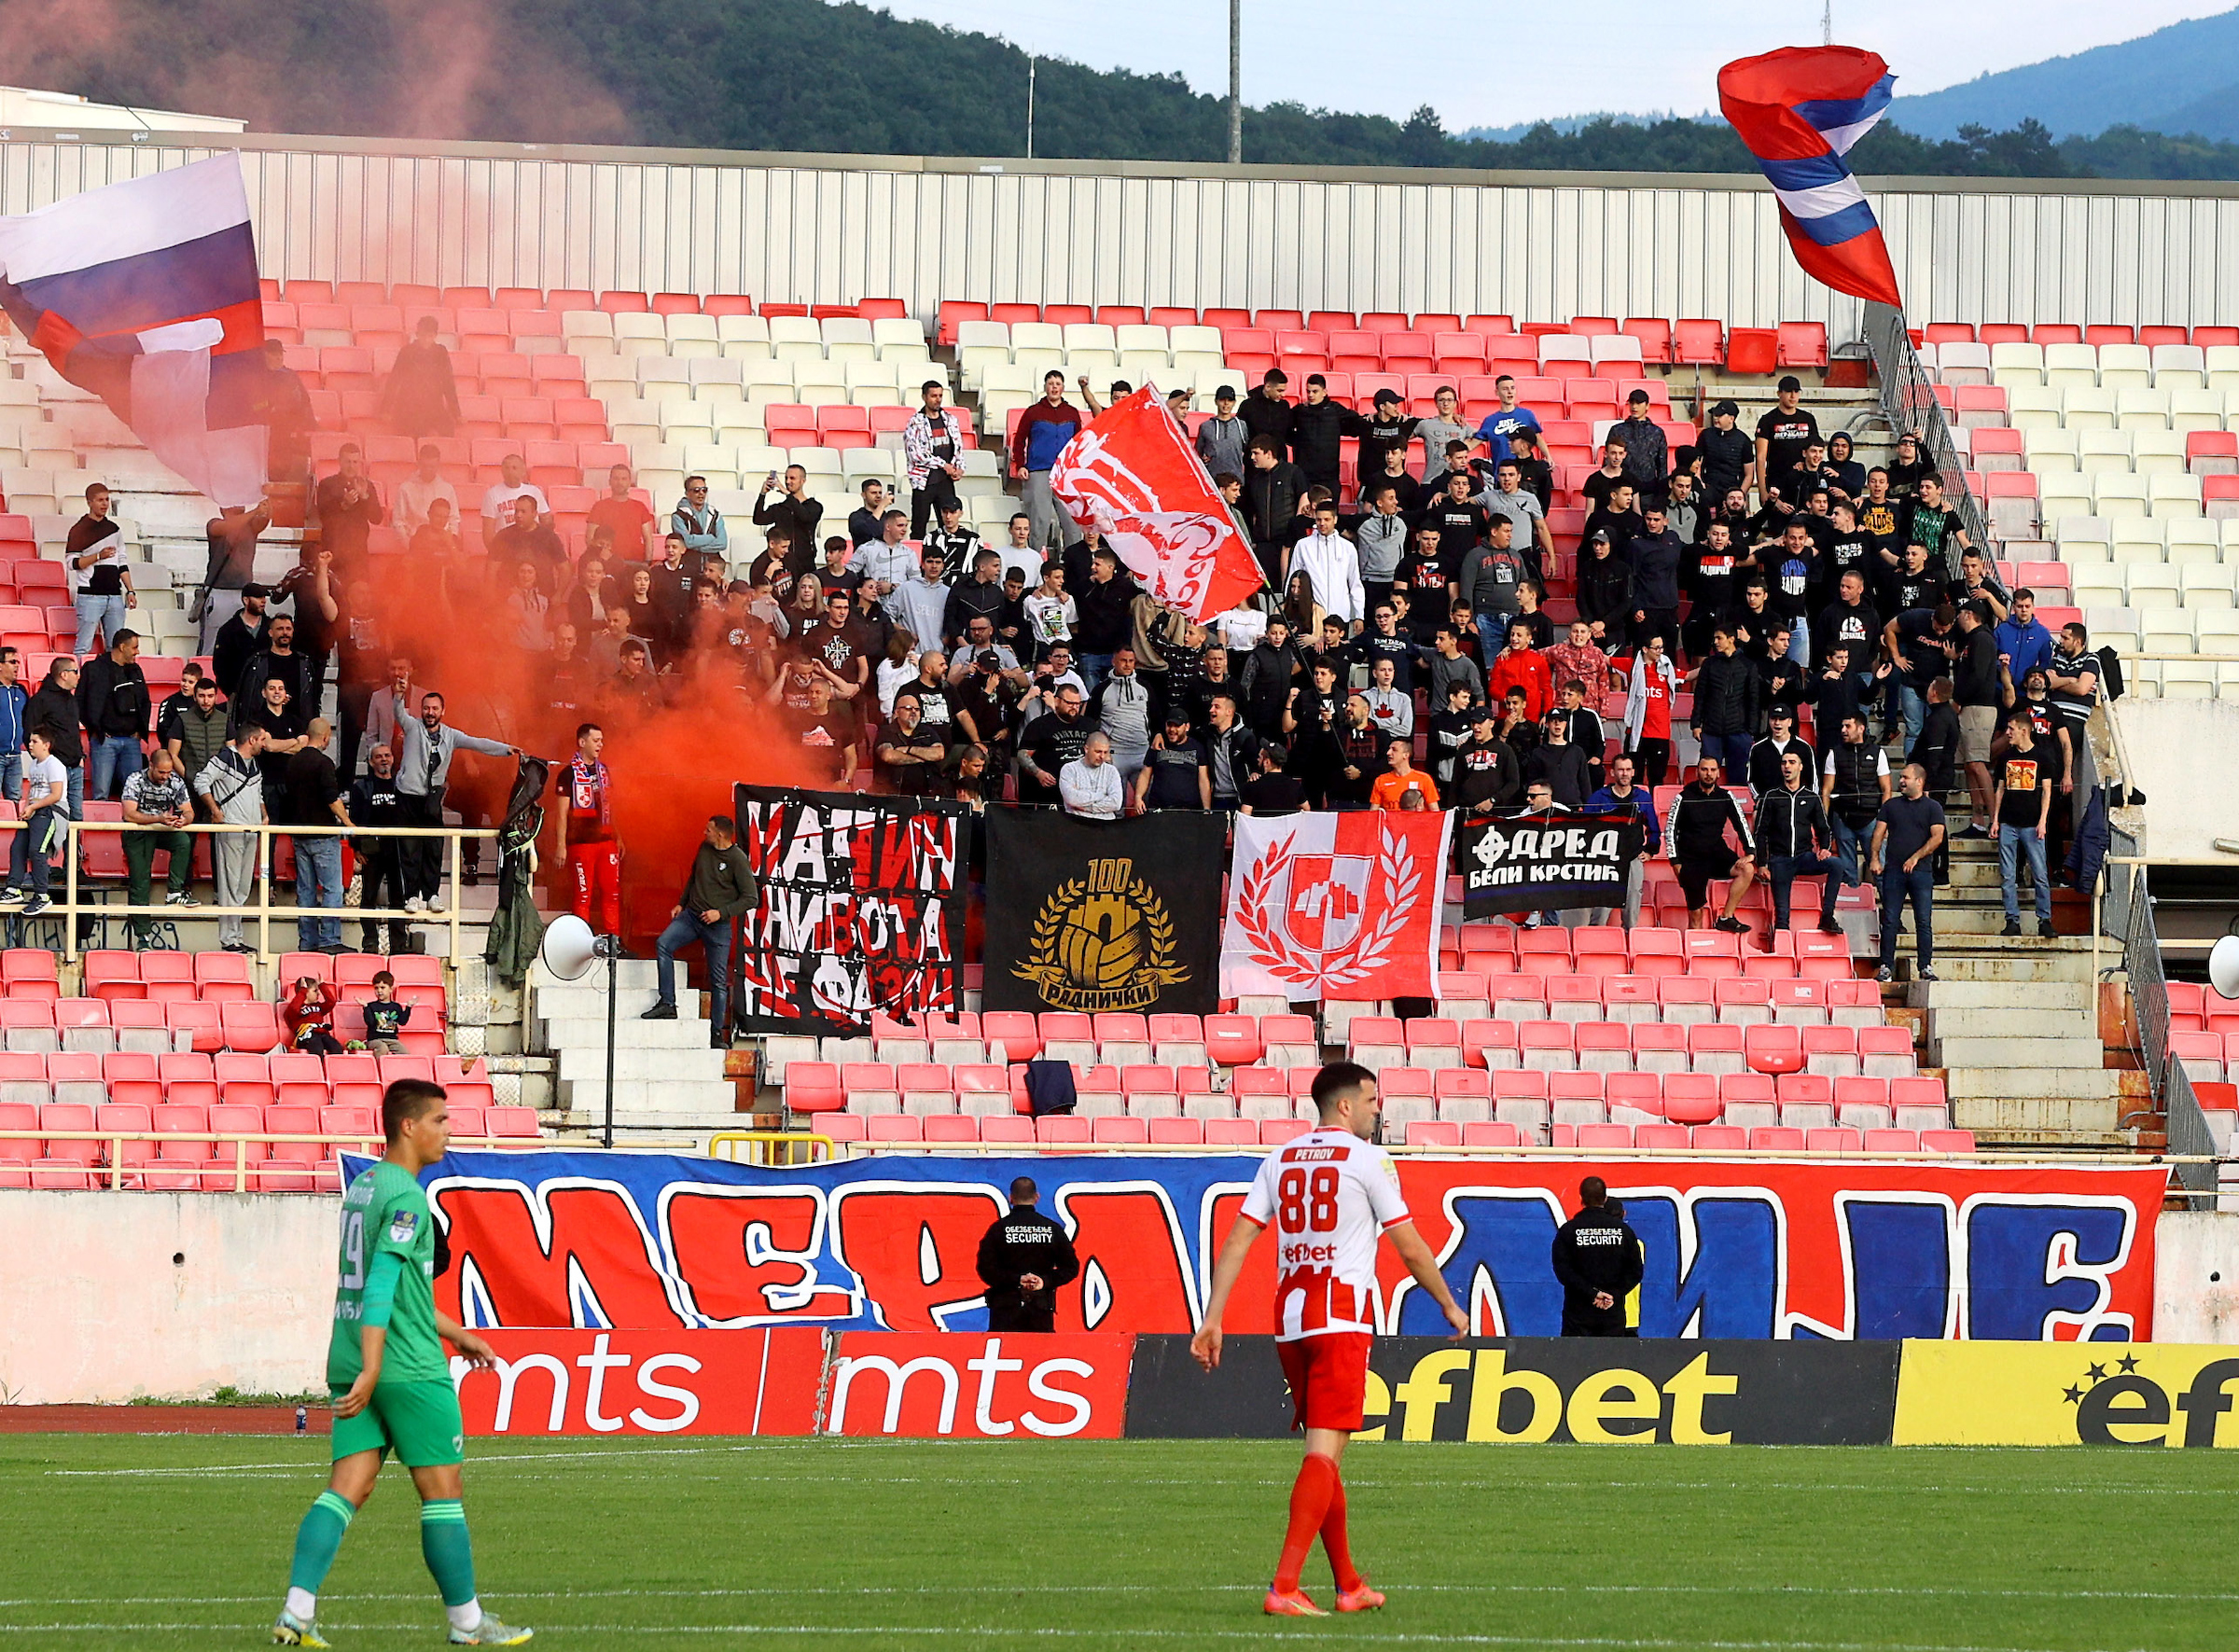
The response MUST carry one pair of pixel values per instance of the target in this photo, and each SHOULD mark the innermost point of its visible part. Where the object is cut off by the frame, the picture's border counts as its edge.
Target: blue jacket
(12, 700)
(2029, 645)
(1608, 803)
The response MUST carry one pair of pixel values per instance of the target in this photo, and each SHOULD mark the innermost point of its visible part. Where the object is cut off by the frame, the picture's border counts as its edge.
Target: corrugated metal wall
(837, 229)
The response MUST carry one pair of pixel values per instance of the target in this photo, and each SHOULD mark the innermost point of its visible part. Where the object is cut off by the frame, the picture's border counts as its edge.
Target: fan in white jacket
(1328, 560)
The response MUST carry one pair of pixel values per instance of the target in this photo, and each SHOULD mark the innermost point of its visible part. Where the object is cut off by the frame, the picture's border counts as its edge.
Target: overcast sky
(1494, 66)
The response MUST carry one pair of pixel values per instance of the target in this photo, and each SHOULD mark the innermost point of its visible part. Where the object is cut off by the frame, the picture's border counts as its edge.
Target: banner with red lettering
(1134, 473)
(1336, 906)
(651, 1242)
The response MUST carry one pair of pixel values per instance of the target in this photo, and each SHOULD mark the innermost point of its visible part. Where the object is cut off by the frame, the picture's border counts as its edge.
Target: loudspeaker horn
(2223, 966)
(569, 947)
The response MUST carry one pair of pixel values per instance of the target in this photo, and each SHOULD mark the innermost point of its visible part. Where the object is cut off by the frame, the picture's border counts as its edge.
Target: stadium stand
(2105, 463)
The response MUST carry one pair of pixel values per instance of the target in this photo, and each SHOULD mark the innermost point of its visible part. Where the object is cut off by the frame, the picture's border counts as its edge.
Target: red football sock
(1334, 1542)
(1310, 1498)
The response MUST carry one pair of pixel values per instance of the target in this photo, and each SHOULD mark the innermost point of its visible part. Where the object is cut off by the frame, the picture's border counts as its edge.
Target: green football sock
(446, 1547)
(317, 1538)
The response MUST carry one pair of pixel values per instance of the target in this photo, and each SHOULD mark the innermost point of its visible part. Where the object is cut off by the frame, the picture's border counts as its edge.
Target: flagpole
(1235, 82)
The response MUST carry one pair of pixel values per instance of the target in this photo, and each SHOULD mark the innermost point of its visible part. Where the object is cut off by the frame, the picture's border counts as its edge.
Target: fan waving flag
(1134, 473)
(146, 294)
(1799, 109)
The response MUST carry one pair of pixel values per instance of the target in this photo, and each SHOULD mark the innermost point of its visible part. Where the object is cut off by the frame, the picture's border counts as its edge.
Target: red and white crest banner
(1336, 906)
(1134, 473)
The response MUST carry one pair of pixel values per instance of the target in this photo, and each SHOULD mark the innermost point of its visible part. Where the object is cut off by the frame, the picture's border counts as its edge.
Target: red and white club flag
(1336, 906)
(1134, 473)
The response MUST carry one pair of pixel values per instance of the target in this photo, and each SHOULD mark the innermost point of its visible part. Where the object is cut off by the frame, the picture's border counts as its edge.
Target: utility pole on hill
(1030, 107)
(1235, 82)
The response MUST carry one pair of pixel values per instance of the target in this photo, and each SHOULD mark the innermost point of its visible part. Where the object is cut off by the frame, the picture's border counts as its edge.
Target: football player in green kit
(391, 1380)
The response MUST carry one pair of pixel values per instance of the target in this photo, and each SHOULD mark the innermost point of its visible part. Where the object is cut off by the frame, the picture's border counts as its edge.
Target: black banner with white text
(1546, 862)
(861, 910)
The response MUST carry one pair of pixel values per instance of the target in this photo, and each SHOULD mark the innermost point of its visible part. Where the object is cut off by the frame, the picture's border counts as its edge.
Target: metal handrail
(115, 1169)
(1909, 402)
(69, 909)
(1526, 1151)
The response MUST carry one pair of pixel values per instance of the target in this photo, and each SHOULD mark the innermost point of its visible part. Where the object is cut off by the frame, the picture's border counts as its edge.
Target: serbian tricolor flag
(1336, 906)
(1799, 109)
(146, 294)
(1134, 473)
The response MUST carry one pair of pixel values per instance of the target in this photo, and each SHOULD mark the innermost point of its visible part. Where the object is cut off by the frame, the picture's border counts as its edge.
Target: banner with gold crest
(1104, 915)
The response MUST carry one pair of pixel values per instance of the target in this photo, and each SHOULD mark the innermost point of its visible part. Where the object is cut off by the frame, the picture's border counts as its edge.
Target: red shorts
(1328, 1377)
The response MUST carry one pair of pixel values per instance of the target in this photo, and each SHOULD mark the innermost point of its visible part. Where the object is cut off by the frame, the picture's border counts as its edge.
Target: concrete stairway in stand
(667, 1075)
(2013, 1020)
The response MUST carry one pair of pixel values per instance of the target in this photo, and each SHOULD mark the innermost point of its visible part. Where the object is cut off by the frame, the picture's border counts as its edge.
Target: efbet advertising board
(1593, 1391)
(2105, 1394)
(799, 1381)
(1734, 1251)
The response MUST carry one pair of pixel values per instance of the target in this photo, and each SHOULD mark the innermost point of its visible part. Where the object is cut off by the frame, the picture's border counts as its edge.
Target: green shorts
(418, 1421)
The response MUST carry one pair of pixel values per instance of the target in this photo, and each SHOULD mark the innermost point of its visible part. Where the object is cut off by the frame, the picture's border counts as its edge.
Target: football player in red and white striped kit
(587, 834)
(1327, 1194)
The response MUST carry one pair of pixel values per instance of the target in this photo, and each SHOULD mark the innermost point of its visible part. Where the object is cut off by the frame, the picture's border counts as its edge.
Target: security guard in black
(1597, 1259)
(1024, 1258)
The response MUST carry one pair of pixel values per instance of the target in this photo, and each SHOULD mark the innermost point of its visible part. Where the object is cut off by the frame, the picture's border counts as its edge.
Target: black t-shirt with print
(1786, 435)
(2025, 776)
(822, 739)
(937, 713)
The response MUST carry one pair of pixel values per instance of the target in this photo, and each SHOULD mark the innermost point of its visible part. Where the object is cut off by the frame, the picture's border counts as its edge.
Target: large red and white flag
(1134, 473)
(1336, 906)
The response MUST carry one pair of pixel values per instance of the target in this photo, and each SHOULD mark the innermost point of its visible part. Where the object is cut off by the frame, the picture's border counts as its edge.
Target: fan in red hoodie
(594, 853)
(1522, 666)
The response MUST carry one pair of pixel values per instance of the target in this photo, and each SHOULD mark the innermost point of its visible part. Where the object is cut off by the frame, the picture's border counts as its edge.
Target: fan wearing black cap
(1729, 456)
(1389, 430)
(1176, 773)
(1782, 434)
(240, 638)
(1605, 596)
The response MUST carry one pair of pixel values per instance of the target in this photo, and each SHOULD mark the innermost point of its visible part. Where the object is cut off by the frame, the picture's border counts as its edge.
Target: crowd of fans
(1401, 654)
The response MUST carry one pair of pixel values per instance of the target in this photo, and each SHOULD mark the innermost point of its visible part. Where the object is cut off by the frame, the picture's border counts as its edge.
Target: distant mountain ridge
(2179, 80)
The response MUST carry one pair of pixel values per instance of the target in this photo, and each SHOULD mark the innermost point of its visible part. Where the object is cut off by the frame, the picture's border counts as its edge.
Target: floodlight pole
(1826, 24)
(1029, 105)
(1235, 82)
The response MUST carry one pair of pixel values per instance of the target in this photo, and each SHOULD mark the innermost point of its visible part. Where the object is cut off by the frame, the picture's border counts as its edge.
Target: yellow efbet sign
(2067, 1393)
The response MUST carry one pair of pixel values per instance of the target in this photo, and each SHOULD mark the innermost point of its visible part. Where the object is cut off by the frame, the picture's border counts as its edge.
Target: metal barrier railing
(1909, 401)
(2127, 915)
(70, 909)
(114, 1169)
(780, 1148)
(1524, 1150)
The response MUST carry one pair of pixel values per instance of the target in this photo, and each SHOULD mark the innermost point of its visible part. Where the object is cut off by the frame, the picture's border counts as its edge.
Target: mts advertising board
(550, 1381)
(1737, 1250)
(796, 1381)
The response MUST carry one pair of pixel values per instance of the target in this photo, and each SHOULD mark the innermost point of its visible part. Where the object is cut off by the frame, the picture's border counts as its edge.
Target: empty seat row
(2083, 408)
(1642, 1047)
(865, 1088)
(1073, 1130)
(215, 1145)
(2002, 332)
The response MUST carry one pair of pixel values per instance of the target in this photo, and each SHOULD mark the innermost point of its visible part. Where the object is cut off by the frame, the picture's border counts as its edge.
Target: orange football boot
(1363, 1599)
(1294, 1604)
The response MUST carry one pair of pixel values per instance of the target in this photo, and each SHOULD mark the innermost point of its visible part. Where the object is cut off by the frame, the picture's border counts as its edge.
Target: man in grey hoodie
(1221, 439)
(1380, 539)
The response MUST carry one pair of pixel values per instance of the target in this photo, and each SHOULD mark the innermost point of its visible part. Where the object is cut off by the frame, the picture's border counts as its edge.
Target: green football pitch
(185, 1541)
